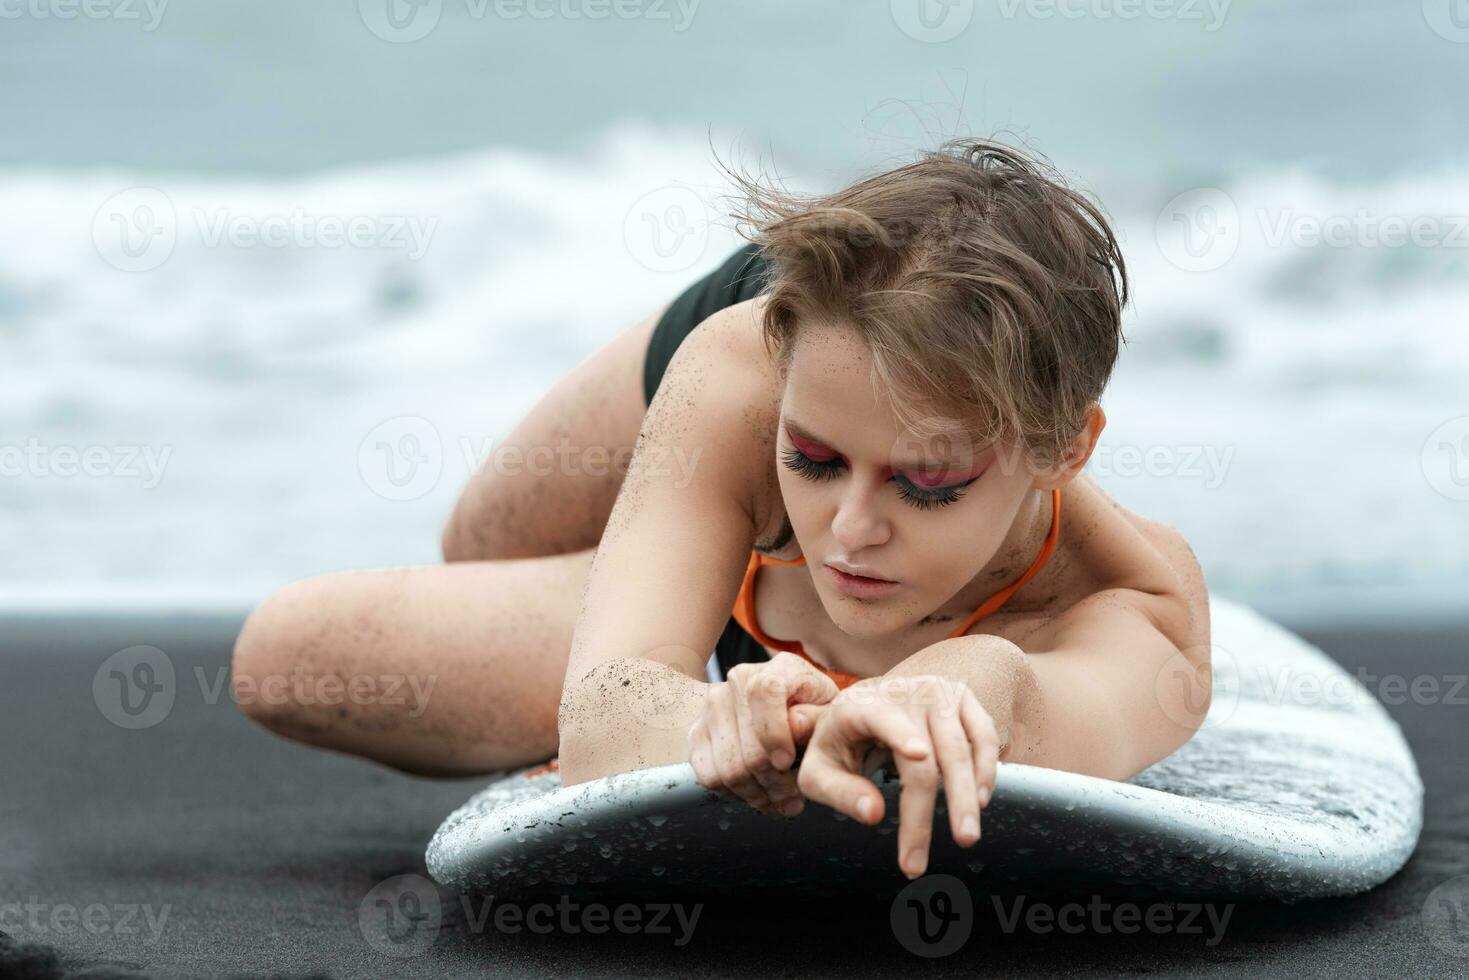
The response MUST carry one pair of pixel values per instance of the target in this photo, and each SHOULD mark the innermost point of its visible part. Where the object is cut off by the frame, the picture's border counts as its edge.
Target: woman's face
(915, 507)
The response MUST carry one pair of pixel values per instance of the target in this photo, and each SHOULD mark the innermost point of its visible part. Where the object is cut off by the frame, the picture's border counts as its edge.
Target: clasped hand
(934, 728)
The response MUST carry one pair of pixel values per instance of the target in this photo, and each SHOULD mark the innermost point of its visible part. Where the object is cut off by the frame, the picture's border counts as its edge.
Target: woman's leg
(568, 458)
(438, 670)
(475, 651)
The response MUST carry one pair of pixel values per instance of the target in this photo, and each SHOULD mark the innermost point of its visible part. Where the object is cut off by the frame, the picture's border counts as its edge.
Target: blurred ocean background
(274, 276)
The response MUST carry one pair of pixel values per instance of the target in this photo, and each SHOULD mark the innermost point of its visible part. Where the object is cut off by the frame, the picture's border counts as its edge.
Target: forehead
(833, 397)
(831, 370)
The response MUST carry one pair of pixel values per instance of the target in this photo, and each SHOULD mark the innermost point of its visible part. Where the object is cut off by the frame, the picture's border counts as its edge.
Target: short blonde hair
(986, 289)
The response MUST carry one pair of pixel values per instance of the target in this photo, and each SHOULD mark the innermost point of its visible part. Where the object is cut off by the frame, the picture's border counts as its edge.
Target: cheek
(802, 498)
(949, 556)
(954, 550)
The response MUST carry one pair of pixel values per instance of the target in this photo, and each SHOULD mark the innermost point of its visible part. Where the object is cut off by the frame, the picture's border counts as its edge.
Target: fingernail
(984, 796)
(915, 862)
(970, 827)
(864, 808)
(781, 759)
(916, 747)
(791, 808)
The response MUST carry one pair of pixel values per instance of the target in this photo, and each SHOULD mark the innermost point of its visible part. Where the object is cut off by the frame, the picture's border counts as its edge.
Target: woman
(857, 436)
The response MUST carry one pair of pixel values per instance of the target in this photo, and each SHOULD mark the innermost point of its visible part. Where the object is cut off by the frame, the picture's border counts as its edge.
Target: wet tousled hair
(988, 291)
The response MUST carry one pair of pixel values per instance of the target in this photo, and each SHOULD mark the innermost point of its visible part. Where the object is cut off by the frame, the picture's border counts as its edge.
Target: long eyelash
(947, 497)
(811, 469)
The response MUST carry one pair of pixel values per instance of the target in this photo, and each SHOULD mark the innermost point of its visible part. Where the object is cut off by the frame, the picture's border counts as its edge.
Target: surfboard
(1297, 785)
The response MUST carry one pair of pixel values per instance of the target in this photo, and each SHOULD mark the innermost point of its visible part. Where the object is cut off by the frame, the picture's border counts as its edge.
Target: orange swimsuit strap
(744, 609)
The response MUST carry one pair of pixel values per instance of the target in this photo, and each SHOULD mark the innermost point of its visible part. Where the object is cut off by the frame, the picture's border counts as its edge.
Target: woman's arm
(667, 570)
(1102, 690)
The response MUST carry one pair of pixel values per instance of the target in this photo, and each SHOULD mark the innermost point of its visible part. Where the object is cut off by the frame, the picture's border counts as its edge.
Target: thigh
(437, 670)
(583, 431)
(550, 486)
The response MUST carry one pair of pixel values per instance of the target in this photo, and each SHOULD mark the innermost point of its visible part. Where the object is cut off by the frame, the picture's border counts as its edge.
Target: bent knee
(475, 530)
(257, 656)
(271, 651)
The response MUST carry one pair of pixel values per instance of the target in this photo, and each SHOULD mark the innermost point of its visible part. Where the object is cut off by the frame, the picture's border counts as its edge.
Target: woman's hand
(745, 741)
(935, 728)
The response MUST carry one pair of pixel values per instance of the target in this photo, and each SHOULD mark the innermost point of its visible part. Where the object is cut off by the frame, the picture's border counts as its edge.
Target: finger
(955, 757)
(920, 784)
(825, 780)
(701, 757)
(807, 684)
(779, 787)
(981, 729)
(803, 719)
(889, 725)
(724, 739)
(763, 716)
(830, 773)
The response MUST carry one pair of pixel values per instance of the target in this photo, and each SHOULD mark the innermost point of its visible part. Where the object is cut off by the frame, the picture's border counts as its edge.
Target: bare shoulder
(719, 401)
(726, 354)
(1181, 608)
(1138, 567)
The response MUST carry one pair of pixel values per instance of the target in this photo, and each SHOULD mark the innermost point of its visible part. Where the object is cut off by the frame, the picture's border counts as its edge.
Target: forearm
(1002, 679)
(626, 714)
(1051, 709)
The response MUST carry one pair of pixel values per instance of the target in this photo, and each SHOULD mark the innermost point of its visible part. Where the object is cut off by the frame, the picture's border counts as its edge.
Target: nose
(859, 522)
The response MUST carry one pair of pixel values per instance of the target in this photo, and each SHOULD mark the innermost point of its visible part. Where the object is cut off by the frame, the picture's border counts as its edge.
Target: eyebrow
(802, 432)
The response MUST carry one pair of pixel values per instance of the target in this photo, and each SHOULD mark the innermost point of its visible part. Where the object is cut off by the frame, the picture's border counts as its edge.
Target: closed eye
(811, 469)
(918, 496)
(925, 497)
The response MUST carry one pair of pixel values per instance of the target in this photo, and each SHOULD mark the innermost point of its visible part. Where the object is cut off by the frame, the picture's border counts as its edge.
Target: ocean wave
(258, 329)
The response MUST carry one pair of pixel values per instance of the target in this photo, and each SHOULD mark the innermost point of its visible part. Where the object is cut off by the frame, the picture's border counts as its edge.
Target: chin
(861, 618)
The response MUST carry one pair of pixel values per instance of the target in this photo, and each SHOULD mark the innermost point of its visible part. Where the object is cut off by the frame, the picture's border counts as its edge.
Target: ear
(1078, 453)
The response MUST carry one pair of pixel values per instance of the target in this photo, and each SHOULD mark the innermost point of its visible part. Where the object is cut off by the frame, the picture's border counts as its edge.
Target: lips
(861, 586)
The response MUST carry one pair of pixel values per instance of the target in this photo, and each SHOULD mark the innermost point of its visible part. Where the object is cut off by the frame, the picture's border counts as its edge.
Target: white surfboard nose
(1298, 785)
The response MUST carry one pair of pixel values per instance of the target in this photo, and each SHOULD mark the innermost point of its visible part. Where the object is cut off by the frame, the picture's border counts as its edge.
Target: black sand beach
(204, 846)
